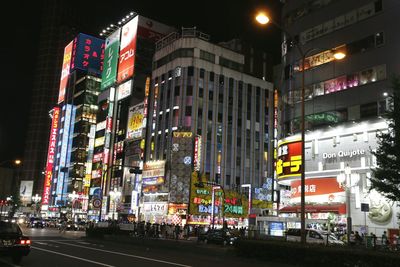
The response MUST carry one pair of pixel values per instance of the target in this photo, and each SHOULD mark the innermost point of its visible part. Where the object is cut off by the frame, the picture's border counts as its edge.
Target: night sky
(223, 20)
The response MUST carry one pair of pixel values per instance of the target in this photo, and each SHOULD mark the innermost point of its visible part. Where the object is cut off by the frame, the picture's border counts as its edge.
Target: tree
(14, 202)
(386, 176)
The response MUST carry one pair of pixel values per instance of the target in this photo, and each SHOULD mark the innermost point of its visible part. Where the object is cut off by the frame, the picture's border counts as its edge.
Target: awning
(315, 208)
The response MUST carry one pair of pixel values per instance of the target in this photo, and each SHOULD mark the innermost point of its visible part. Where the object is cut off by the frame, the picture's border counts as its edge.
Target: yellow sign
(183, 134)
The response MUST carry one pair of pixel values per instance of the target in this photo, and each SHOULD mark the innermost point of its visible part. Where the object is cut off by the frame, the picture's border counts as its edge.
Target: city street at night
(51, 248)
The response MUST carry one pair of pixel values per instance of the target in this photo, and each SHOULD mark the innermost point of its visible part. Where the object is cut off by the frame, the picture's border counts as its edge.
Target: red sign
(65, 72)
(128, 50)
(317, 186)
(289, 159)
(50, 156)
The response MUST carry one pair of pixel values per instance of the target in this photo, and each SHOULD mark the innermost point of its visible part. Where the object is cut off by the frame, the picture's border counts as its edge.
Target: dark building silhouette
(58, 19)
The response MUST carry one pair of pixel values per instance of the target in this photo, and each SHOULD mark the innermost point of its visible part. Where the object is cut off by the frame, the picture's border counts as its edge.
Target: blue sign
(87, 54)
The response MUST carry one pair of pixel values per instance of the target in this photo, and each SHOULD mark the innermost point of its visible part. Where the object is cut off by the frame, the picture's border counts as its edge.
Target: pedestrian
(177, 231)
(352, 238)
(358, 238)
(384, 240)
(63, 226)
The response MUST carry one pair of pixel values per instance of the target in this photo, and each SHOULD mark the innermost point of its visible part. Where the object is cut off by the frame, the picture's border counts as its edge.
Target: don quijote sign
(344, 154)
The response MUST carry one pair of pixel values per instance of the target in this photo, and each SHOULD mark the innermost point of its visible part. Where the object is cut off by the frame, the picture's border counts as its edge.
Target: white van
(313, 236)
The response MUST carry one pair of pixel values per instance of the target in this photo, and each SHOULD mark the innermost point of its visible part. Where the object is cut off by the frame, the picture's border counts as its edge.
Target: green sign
(110, 62)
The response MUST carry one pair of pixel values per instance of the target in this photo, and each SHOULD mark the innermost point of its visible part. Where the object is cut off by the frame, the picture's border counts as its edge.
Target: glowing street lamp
(264, 19)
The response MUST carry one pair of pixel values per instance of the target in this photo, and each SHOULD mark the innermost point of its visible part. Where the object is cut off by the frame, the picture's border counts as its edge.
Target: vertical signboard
(128, 50)
(50, 156)
(289, 159)
(65, 72)
(181, 166)
(136, 122)
(66, 144)
(25, 191)
(110, 60)
(153, 176)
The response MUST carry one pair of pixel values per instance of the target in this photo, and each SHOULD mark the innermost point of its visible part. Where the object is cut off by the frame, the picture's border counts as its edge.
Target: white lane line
(8, 264)
(73, 257)
(127, 255)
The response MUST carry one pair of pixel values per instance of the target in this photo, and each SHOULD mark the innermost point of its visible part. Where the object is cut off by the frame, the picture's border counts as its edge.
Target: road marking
(9, 264)
(127, 255)
(73, 257)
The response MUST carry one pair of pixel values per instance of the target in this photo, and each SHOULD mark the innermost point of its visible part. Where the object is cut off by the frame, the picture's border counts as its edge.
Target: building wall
(208, 104)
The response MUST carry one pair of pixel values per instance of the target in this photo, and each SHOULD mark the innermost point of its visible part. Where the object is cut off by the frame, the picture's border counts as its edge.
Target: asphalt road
(69, 249)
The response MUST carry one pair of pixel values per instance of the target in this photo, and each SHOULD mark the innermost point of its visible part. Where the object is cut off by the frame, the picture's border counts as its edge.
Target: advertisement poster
(153, 175)
(128, 50)
(288, 163)
(65, 72)
(136, 122)
(110, 60)
(25, 191)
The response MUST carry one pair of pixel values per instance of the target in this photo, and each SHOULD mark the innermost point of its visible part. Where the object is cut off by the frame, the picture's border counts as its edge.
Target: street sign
(365, 207)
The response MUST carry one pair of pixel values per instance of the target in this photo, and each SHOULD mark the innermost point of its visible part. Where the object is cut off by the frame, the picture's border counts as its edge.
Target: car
(68, 226)
(313, 236)
(36, 223)
(219, 236)
(13, 242)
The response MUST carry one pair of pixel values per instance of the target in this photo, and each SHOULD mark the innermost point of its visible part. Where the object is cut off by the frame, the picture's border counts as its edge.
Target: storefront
(338, 161)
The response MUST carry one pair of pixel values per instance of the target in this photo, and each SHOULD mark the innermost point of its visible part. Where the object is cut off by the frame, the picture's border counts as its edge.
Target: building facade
(344, 101)
(204, 115)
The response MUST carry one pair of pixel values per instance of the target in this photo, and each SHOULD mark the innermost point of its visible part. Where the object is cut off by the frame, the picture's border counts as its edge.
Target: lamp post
(73, 196)
(263, 19)
(114, 195)
(344, 180)
(36, 199)
(250, 204)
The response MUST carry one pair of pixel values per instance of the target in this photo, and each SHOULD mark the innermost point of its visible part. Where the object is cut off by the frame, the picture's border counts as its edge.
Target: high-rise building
(71, 141)
(57, 27)
(344, 100)
(206, 115)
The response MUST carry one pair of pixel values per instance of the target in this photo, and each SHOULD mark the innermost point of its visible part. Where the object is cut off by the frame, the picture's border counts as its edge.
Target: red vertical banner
(65, 72)
(128, 50)
(50, 156)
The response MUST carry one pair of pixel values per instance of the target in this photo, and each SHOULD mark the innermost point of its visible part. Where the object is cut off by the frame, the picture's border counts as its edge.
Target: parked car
(12, 242)
(313, 236)
(219, 236)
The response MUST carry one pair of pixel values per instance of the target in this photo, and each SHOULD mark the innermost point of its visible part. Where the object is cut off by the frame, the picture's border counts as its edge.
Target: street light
(344, 180)
(115, 195)
(73, 196)
(250, 204)
(263, 19)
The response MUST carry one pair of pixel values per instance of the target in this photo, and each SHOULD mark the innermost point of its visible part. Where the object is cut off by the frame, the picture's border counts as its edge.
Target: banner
(25, 191)
(50, 156)
(65, 72)
(110, 60)
(128, 50)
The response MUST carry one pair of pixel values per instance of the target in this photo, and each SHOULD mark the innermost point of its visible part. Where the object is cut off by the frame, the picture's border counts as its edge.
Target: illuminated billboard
(25, 191)
(128, 50)
(65, 72)
(110, 60)
(153, 175)
(136, 122)
(181, 166)
(288, 163)
(87, 54)
(153, 30)
(50, 156)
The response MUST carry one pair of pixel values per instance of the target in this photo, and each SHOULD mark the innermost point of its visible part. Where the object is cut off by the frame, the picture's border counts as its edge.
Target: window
(188, 111)
(369, 110)
(202, 73)
(201, 92)
(211, 95)
(176, 91)
(211, 76)
(189, 91)
(207, 56)
(190, 71)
